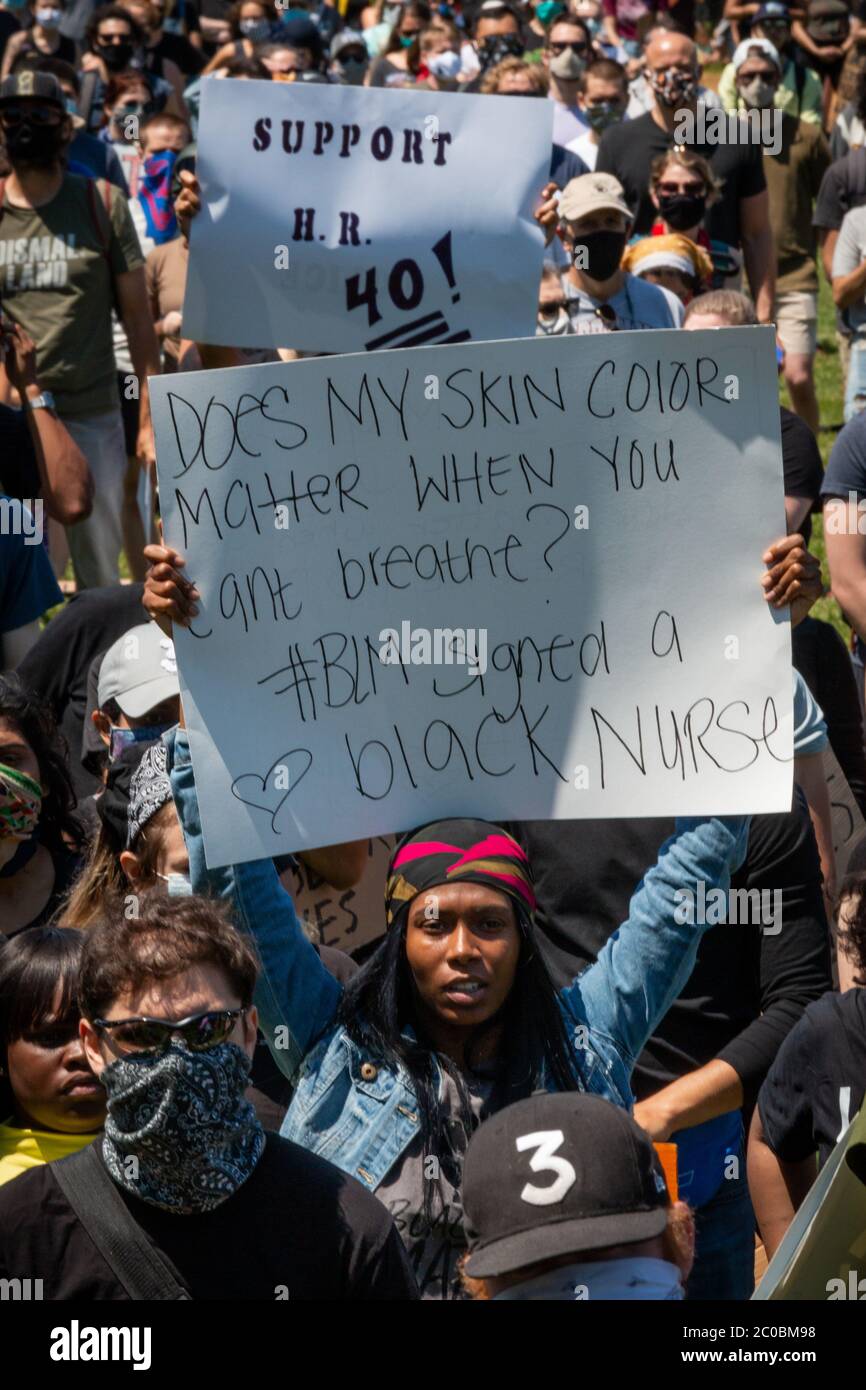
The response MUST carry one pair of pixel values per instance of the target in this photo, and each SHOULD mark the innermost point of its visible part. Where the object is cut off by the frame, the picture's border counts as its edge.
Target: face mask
(495, 47)
(127, 738)
(407, 40)
(286, 15)
(568, 65)
(256, 30)
(554, 325)
(20, 803)
(183, 1119)
(48, 19)
(683, 210)
(179, 885)
(445, 64)
(603, 114)
(603, 253)
(72, 106)
(548, 10)
(116, 56)
(674, 88)
(29, 144)
(758, 94)
(130, 111)
(350, 71)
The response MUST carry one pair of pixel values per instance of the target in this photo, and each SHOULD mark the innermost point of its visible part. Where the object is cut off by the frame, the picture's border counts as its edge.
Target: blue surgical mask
(72, 106)
(286, 15)
(179, 885)
(125, 738)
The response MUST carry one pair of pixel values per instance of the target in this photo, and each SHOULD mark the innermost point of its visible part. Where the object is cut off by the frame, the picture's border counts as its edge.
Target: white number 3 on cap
(546, 1141)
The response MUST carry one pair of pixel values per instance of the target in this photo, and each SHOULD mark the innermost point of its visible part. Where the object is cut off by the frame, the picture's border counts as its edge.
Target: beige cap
(592, 193)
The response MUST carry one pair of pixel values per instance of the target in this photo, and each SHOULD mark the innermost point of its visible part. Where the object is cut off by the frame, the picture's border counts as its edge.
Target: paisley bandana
(149, 790)
(457, 851)
(179, 1133)
(20, 803)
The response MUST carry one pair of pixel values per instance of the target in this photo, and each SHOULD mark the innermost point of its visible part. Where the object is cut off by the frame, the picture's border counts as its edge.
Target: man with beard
(68, 252)
(742, 217)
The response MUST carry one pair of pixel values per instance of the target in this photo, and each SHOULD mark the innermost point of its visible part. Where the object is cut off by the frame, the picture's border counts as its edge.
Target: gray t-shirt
(638, 304)
(435, 1248)
(850, 252)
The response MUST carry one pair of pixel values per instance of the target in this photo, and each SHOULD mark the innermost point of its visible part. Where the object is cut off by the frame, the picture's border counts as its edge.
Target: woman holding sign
(455, 1015)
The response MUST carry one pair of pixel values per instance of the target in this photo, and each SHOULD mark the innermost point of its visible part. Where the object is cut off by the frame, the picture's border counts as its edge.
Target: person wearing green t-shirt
(68, 254)
(51, 1104)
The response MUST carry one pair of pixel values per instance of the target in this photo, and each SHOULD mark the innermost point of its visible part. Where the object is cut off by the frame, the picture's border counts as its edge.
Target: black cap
(556, 1175)
(42, 86)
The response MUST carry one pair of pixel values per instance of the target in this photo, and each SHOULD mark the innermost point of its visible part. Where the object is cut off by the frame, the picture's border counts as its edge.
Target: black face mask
(33, 144)
(603, 253)
(683, 210)
(116, 56)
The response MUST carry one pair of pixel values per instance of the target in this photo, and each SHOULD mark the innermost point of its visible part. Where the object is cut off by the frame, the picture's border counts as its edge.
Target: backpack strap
(93, 1196)
(86, 93)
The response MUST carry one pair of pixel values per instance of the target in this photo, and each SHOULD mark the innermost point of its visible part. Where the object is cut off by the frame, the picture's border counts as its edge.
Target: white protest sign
(511, 580)
(344, 218)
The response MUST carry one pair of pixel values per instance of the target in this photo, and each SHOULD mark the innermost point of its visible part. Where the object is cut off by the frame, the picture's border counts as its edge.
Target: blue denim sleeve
(297, 998)
(647, 961)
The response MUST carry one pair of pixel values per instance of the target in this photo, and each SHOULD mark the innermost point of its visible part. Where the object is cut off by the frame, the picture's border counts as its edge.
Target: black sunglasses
(12, 115)
(104, 39)
(558, 48)
(151, 1036)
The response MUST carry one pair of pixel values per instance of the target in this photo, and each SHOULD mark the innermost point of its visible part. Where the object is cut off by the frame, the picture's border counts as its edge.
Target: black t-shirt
(298, 1226)
(748, 988)
(801, 463)
(843, 187)
(628, 149)
(56, 667)
(177, 49)
(19, 473)
(817, 1083)
(822, 659)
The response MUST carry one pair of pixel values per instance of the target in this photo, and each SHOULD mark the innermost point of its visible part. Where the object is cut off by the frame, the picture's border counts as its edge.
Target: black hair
(59, 828)
(106, 12)
(32, 965)
(381, 1000)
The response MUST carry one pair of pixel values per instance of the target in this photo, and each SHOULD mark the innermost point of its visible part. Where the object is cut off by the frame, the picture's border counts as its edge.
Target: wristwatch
(44, 401)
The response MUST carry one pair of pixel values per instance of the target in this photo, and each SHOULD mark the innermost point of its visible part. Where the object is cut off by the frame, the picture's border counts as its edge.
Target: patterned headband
(465, 851)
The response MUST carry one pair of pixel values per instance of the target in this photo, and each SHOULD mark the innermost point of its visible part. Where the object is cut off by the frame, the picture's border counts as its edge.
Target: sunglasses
(559, 48)
(142, 1037)
(105, 39)
(691, 190)
(37, 115)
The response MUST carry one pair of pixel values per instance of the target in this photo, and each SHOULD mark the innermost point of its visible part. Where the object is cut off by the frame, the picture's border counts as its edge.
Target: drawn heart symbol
(271, 789)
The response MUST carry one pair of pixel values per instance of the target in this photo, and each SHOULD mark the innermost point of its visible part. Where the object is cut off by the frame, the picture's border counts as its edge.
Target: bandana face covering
(179, 1133)
(496, 47)
(154, 195)
(20, 803)
(458, 851)
(674, 88)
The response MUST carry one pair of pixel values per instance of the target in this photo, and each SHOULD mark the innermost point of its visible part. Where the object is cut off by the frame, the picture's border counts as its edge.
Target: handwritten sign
(346, 218)
(503, 580)
(347, 918)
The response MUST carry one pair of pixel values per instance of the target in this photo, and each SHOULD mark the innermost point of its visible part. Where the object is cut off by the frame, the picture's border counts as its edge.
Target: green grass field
(828, 381)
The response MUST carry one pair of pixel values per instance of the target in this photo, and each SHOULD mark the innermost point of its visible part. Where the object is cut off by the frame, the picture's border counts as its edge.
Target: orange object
(668, 1158)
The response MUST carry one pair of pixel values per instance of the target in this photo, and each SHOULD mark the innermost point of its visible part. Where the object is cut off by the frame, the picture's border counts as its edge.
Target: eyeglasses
(38, 115)
(143, 1037)
(559, 48)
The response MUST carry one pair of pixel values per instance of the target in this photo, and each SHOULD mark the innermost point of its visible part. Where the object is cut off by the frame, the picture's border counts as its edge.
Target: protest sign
(502, 579)
(351, 218)
(344, 917)
(823, 1253)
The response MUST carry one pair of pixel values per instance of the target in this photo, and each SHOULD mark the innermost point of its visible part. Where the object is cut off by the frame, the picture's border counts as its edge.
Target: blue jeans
(724, 1266)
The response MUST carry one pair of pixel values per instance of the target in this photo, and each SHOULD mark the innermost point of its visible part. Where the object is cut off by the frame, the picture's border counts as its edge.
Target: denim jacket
(361, 1115)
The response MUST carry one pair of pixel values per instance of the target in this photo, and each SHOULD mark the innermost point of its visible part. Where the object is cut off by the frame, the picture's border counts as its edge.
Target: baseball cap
(347, 38)
(591, 193)
(42, 86)
(774, 9)
(139, 671)
(557, 1175)
(744, 50)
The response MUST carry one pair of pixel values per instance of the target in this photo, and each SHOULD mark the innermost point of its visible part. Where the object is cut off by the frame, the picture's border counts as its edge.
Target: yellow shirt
(21, 1149)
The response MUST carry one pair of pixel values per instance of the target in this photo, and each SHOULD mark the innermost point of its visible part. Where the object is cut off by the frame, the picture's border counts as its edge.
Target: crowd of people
(538, 1082)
